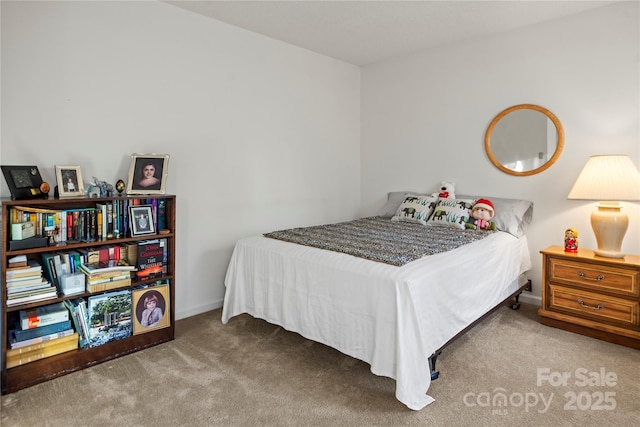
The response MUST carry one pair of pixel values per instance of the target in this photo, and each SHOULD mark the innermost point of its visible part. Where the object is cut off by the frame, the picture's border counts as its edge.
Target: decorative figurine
(481, 214)
(106, 189)
(120, 187)
(45, 188)
(571, 240)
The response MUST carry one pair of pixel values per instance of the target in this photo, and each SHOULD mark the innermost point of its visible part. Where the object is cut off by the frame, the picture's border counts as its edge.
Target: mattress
(391, 317)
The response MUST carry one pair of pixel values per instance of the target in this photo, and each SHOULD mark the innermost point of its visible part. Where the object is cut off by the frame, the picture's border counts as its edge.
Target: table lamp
(609, 179)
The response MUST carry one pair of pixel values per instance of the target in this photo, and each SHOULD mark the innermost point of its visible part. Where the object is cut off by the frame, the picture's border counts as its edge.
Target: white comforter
(393, 318)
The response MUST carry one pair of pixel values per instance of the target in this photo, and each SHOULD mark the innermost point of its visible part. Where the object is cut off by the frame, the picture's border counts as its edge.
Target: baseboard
(527, 298)
(199, 310)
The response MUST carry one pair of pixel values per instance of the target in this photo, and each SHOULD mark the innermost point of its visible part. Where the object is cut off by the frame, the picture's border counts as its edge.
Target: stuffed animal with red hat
(481, 214)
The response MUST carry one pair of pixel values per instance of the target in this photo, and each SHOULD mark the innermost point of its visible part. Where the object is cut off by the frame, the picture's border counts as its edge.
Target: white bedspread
(391, 317)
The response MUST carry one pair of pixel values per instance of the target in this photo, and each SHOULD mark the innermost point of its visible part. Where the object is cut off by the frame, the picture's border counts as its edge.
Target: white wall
(262, 135)
(424, 116)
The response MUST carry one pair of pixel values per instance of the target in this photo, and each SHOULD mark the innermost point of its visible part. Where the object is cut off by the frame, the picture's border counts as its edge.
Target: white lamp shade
(607, 177)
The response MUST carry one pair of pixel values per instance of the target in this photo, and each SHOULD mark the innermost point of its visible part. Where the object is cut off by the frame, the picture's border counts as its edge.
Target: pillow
(511, 215)
(451, 213)
(415, 208)
(394, 200)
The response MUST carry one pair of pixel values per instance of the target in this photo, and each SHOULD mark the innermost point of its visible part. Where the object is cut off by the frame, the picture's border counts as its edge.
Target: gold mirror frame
(548, 163)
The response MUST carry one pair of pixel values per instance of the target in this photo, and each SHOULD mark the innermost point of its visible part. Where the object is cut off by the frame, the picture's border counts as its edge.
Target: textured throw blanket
(380, 239)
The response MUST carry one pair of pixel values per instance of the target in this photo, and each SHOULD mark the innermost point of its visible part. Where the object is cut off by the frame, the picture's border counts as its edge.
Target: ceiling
(362, 32)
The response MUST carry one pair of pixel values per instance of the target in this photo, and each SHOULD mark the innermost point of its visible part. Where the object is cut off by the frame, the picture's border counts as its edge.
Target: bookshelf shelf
(44, 369)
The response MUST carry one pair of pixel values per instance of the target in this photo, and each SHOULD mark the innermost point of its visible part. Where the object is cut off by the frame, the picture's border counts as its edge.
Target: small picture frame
(69, 179)
(24, 182)
(148, 174)
(141, 220)
(151, 309)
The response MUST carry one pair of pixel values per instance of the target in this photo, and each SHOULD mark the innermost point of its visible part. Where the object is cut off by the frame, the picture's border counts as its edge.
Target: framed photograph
(141, 220)
(148, 174)
(69, 180)
(24, 182)
(151, 309)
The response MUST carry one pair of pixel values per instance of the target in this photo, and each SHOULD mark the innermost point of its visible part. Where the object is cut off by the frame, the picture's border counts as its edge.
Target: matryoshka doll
(571, 240)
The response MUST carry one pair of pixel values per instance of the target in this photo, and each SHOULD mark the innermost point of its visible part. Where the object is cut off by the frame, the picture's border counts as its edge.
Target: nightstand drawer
(598, 277)
(596, 306)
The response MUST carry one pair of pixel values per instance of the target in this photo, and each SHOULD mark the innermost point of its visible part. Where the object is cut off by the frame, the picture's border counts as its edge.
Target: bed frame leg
(516, 305)
(432, 365)
(526, 287)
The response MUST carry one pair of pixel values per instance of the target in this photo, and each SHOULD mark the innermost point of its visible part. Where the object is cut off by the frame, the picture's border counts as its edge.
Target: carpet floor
(510, 370)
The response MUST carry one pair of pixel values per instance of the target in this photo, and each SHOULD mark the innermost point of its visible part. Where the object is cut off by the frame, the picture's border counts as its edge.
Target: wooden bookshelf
(38, 371)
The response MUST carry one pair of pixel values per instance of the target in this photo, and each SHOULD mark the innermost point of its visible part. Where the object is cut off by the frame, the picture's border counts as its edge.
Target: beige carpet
(251, 373)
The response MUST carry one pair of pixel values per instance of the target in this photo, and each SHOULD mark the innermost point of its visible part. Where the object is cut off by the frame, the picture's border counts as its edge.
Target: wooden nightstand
(592, 295)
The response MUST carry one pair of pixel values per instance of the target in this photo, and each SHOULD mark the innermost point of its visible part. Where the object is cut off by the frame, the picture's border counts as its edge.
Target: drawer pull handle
(597, 307)
(585, 277)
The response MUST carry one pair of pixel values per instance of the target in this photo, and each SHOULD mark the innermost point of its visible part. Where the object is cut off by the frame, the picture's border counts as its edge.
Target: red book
(69, 226)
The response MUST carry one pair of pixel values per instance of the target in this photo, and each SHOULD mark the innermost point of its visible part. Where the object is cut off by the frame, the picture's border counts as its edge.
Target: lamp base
(609, 225)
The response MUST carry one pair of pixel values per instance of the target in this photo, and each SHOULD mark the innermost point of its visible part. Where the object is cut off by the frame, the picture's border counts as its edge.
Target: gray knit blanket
(380, 239)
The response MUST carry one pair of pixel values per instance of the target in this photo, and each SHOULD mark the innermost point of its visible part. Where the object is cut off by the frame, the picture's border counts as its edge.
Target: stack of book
(25, 283)
(41, 332)
(104, 275)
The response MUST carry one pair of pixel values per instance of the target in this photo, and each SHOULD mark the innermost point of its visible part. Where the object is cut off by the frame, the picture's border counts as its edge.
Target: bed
(397, 318)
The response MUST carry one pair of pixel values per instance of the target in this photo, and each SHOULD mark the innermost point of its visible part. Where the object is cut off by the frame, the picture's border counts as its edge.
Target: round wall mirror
(524, 140)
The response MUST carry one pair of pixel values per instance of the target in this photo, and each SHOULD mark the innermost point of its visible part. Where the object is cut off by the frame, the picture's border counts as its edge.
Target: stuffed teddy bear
(447, 191)
(481, 214)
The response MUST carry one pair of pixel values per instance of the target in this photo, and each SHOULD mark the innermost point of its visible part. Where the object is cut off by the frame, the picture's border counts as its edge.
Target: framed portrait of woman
(148, 174)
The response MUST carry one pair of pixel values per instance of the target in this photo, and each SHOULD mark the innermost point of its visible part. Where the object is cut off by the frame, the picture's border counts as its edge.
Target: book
(49, 269)
(33, 269)
(50, 350)
(30, 348)
(78, 309)
(29, 290)
(40, 331)
(17, 261)
(125, 219)
(109, 219)
(43, 315)
(75, 258)
(61, 221)
(154, 212)
(65, 267)
(26, 289)
(26, 281)
(99, 217)
(50, 294)
(109, 317)
(93, 277)
(150, 254)
(113, 277)
(105, 286)
(14, 343)
(104, 266)
(57, 262)
(130, 252)
(162, 214)
(20, 267)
